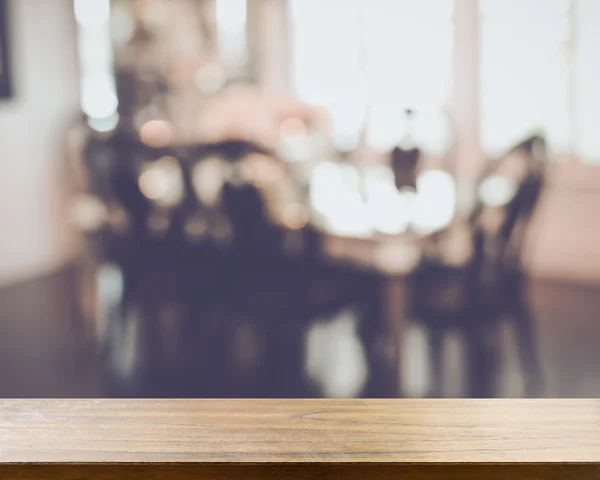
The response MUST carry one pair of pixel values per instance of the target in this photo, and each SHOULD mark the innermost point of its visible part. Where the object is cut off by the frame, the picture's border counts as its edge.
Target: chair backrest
(497, 251)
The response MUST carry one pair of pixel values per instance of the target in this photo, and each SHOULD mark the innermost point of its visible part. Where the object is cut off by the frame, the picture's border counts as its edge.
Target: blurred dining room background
(299, 198)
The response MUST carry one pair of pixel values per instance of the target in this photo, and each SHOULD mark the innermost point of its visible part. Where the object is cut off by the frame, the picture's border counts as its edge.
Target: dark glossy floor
(328, 333)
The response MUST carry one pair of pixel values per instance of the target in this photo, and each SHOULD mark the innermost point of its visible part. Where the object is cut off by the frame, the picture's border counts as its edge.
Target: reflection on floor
(343, 335)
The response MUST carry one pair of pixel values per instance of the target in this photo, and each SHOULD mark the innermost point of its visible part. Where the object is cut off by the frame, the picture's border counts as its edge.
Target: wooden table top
(299, 431)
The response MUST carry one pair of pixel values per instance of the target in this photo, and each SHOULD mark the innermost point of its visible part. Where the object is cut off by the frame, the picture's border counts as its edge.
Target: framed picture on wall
(5, 80)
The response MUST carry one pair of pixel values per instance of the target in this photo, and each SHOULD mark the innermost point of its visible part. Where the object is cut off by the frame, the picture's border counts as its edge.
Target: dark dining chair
(490, 285)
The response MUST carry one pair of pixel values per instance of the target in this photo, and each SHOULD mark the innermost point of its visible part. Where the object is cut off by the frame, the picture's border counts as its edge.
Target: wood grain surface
(537, 439)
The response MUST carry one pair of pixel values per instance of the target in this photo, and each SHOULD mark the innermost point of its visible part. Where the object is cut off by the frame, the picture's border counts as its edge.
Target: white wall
(33, 234)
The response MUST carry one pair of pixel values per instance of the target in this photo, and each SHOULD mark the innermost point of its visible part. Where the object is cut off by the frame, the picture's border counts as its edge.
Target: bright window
(369, 60)
(540, 70)
(587, 80)
(524, 72)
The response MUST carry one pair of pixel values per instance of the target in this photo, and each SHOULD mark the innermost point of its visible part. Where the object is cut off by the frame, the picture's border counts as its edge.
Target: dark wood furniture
(268, 439)
(490, 287)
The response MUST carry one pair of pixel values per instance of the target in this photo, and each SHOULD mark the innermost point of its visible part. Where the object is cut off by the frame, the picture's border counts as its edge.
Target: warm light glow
(88, 213)
(389, 209)
(263, 170)
(397, 256)
(161, 181)
(208, 177)
(358, 205)
(334, 193)
(295, 144)
(153, 184)
(292, 127)
(295, 216)
(435, 201)
(496, 190)
(157, 133)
